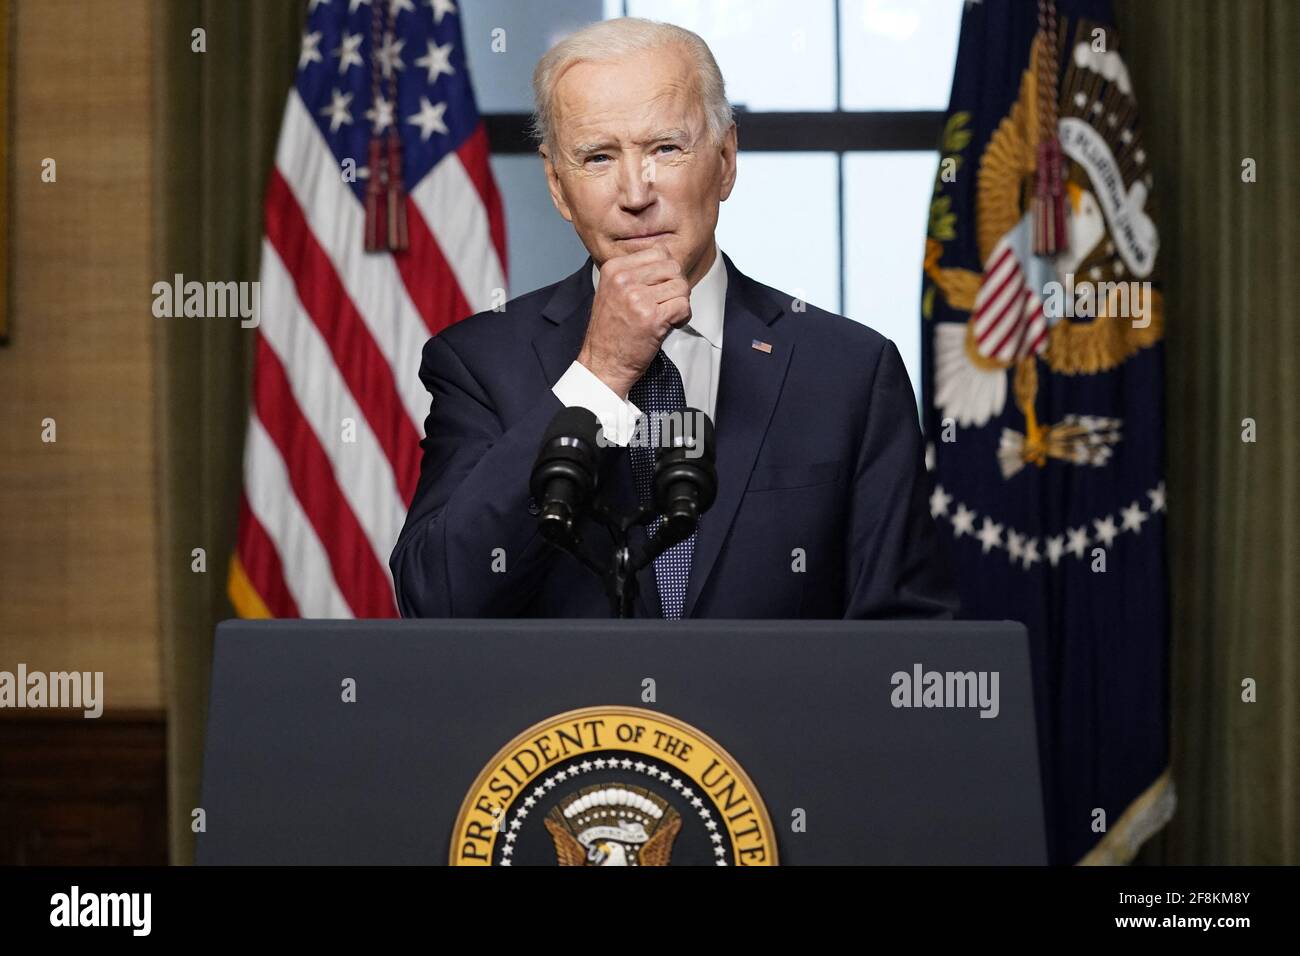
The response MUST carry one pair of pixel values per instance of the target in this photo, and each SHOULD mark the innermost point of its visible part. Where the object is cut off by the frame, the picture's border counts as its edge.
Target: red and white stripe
(1008, 318)
(332, 456)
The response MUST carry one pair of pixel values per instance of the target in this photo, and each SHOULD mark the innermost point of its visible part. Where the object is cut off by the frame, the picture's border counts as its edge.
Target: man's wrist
(615, 383)
(580, 386)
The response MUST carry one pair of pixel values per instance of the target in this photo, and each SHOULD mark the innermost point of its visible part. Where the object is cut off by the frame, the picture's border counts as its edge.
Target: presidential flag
(1043, 367)
(383, 226)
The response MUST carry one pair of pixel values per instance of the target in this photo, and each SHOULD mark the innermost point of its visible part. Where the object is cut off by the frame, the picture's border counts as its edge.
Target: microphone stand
(619, 578)
(559, 520)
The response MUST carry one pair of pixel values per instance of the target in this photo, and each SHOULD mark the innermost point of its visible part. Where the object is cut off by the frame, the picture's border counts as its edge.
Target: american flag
(332, 452)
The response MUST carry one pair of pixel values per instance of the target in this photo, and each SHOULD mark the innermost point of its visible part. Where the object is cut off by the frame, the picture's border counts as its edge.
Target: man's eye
(592, 159)
(668, 146)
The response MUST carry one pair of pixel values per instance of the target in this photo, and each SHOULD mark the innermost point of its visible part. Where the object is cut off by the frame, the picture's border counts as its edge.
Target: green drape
(218, 114)
(1217, 84)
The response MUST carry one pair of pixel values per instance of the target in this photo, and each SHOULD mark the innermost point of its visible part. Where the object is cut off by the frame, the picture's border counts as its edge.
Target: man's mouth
(635, 237)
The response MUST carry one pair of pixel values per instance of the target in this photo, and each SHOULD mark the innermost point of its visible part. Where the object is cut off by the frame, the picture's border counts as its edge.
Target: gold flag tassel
(1048, 205)
(396, 194)
(385, 195)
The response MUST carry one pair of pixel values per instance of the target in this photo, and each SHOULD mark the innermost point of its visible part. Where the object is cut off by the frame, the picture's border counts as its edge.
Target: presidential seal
(1070, 298)
(613, 786)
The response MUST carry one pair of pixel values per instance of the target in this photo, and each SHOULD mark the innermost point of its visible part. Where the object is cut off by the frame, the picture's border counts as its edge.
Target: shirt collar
(708, 300)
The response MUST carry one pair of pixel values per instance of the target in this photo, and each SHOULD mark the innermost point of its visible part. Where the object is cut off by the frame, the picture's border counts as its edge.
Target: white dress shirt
(695, 348)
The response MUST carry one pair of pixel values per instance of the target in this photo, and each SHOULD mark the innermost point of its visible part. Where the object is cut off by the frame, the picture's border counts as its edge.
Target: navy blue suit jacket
(823, 499)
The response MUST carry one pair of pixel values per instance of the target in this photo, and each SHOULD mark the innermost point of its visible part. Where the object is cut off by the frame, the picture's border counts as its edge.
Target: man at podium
(822, 502)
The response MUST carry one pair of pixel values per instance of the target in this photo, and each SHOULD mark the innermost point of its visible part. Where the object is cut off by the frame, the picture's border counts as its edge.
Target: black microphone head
(694, 433)
(689, 433)
(686, 478)
(564, 475)
(573, 421)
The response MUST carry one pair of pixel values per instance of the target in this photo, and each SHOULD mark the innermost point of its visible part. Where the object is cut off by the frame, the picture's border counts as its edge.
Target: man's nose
(636, 185)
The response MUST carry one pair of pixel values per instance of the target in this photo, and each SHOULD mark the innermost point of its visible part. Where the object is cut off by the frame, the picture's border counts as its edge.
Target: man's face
(634, 165)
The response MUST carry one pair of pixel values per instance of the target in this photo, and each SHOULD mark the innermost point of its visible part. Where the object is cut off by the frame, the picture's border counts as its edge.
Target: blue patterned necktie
(657, 393)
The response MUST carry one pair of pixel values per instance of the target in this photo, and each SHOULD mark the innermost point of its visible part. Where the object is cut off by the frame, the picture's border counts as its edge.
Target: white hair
(610, 39)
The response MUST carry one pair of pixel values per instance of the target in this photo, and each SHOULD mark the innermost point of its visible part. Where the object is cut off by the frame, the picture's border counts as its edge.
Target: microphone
(564, 475)
(686, 478)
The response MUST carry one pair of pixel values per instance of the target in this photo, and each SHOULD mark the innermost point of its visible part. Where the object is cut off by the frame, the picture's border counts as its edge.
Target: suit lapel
(748, 389)
(567, 313)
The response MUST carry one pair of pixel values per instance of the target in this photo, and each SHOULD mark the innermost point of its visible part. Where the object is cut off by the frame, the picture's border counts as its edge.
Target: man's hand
(641, 298)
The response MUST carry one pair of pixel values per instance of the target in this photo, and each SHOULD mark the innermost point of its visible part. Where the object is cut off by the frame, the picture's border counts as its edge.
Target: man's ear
(728, 150)
(553, 186)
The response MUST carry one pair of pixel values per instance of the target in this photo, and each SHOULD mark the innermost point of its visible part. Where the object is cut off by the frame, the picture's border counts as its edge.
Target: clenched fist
(641, 298)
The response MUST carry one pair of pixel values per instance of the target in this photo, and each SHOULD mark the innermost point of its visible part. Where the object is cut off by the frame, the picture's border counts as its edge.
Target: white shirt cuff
(580, 386)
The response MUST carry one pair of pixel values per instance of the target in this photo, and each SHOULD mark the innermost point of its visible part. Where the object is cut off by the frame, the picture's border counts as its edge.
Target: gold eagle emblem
(613, 825)
(1110, 240)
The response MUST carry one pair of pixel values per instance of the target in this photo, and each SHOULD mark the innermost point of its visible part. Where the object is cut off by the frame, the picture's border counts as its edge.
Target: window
(783, 220)
(897, 54)
(770, 60)
(839, 110)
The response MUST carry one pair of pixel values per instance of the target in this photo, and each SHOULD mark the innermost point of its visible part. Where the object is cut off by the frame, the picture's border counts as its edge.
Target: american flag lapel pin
(758, 346)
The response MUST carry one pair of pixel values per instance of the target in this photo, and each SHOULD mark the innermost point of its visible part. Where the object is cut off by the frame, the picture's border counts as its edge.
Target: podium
(604, 742)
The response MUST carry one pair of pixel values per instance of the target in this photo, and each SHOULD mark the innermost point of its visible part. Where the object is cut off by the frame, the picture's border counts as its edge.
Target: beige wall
(78, 522)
